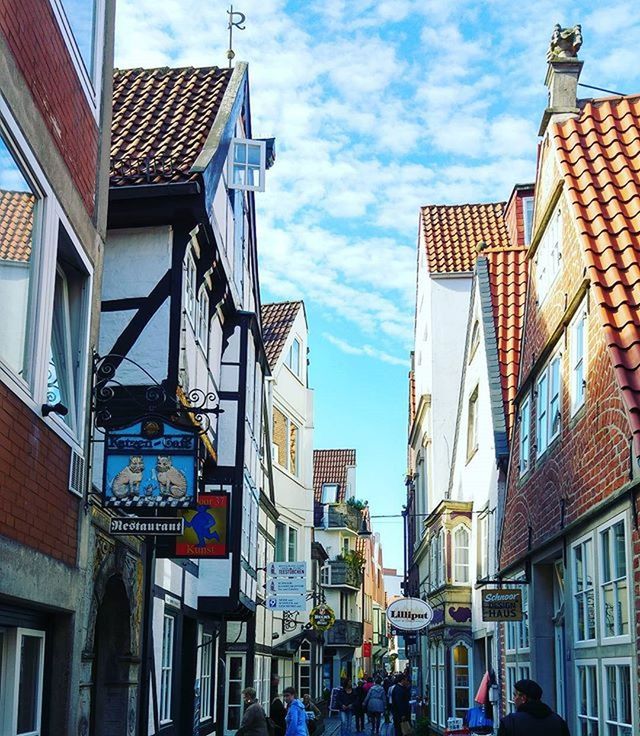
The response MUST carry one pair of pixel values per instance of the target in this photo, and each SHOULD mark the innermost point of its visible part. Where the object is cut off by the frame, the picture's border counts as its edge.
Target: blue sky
(378, 107)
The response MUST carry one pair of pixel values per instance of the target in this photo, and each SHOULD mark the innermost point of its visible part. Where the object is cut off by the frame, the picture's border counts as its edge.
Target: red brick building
(55, 92)
(570, 516)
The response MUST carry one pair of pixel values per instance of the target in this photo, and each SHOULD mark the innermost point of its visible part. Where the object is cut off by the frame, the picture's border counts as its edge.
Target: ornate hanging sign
(502, 604)
(322, 617)
(150, 464)
(409, 614)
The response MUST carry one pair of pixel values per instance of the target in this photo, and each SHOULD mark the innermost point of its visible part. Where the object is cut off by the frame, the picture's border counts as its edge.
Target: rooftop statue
(565, 43)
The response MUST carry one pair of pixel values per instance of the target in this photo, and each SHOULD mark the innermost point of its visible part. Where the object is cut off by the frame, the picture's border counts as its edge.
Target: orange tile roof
(599, 155)
(507, 269)
(330, 466)
(277, 319)
(16, 225)
(161, 120)
(452, 233)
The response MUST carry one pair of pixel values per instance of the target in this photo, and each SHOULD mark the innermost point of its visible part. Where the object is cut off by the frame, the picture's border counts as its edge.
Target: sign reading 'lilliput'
(409, 614)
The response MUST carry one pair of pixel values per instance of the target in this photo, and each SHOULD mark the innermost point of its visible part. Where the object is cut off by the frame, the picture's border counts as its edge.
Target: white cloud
(367, 350)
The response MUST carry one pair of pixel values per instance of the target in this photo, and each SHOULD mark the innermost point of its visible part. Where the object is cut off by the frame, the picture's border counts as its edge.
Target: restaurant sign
(409, 614)
(502, 604)
(322, 617)
(150, 464)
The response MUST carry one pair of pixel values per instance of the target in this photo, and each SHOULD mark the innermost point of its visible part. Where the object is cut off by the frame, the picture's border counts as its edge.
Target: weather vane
(235, 19)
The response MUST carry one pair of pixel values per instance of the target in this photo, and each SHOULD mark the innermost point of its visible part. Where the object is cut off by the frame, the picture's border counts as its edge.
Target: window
(461, 555)
(527, 208)
(549, 256)
(190, 288)
(442, 705)
(235, 685)
(433, 681)
(475, 340)
(239, 239)
(329, 493)
(515, 672)
(20, 208)
(578, 332)
(617, 698)
(584, 594)
(614, 584)
(285, 441)
(472, 424)
(587, 700)
(205, 669)
(440, 577)
(304, 669)
(21, 681)
(461, 679)
(293, 545)
(166, 668)
(293, 357)
(203, 319)
(525, 437)
(548, 404)
(483, 545)
(247, 165)
(517, 632)
(280, 554)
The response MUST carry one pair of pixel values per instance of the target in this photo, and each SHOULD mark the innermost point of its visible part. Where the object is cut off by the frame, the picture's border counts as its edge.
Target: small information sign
(287, 603)
(288, 569)
(286, 586)
(146, 526)
(502, 604)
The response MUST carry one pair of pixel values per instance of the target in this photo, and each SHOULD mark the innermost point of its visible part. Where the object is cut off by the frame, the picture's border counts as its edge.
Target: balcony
(338, 516)
(344, 634)
(341, 574)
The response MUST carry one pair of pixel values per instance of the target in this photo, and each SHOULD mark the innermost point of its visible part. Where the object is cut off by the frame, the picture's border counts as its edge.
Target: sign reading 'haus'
(409, 614)
(502, 604)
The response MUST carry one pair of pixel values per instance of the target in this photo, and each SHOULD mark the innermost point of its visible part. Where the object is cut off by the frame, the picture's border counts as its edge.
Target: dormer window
(247, 165)
(293, 357)
(329, 493)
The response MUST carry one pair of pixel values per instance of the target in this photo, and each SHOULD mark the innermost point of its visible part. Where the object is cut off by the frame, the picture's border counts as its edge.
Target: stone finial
(565, 43)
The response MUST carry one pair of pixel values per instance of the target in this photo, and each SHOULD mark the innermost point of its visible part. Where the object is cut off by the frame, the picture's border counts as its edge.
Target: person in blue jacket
(296, 717)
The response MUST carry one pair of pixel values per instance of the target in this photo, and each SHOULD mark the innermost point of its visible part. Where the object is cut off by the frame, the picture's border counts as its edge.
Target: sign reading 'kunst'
(502, 604)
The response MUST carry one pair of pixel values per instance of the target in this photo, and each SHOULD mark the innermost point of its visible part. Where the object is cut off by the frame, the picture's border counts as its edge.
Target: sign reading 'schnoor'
(502, 604)
(409, 614)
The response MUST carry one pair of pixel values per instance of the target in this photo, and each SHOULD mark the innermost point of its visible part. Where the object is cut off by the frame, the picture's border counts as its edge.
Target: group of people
(294, 717)
(374, 697)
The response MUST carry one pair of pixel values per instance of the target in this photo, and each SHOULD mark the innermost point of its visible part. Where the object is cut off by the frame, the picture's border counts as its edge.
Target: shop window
(461, 679)
(587, 701)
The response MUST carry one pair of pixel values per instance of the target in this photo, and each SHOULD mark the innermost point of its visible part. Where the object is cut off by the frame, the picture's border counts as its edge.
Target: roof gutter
(142, 191)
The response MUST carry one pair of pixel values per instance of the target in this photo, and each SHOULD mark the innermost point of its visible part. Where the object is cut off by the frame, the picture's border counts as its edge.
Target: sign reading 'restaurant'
(502, 604)
(409, 614)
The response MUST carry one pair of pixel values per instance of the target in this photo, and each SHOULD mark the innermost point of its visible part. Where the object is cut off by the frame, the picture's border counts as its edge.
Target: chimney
(562, 77)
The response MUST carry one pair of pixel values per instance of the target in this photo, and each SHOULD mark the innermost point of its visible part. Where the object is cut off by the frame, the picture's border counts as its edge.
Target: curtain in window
(60, 380)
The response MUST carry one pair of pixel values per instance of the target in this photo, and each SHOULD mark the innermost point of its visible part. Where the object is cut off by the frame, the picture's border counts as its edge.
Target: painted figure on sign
(172, 481)
(127, 482)
(202, 524)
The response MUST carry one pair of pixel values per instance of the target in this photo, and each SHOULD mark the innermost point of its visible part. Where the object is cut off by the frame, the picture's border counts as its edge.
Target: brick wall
(514, 215)
(33, 35)
(36, 507)
(590, 459)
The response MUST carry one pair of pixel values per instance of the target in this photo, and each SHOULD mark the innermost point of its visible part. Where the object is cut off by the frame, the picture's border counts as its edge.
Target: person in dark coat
(345, 701)
(358, 706)
(531, 717)
(278, 714)
(254, 720)
(375, 704)
(400, 709)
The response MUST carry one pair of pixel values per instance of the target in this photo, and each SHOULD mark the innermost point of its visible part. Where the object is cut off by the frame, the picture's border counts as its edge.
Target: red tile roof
(599, 155)
(16, 225)
(277, 319)
(161, 120)
(452, 233)
(330, 466)
(507, 269)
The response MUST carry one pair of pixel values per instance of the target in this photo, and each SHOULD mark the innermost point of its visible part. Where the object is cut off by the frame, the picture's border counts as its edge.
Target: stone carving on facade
(565, 43)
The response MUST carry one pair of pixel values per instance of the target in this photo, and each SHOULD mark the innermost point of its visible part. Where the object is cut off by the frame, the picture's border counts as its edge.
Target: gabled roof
(599, 155)
(452, 233)
(330, 466)
(16, 225)
(161, 120)
(502, 275)
(277, 319)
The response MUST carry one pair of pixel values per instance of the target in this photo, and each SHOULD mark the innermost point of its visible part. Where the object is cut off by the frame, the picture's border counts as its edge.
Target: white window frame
(292, 530)
(165, 691)
(469, 668)
(548, 256)
(230, 656)
(205, 671)
(442, 685)
(10, 655)
(616, 638)
(289, 422)
(525, 435)
(203, 320)
(482, 562)
(517, 634)
(580, 717)
(578, 383)
(583, 594)
(296, 370)
(261, 172)
(527, 219)
(190, 296)
(91, 85)
(544, 400)
(461, 528)
(325, 487)
(33, 391)
(617, 662)
(472, 422)
(433, 662)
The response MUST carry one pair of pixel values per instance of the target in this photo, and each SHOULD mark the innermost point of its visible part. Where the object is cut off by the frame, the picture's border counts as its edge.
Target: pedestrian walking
(358, 706)
(254, 719)
(278, 714)
(345, 700)
(312, 713)
(531, 717)
(296, 719)
(400, 709)
(375, 704)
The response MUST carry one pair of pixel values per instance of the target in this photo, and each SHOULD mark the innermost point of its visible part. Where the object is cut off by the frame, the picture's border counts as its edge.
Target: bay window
(461, 555)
